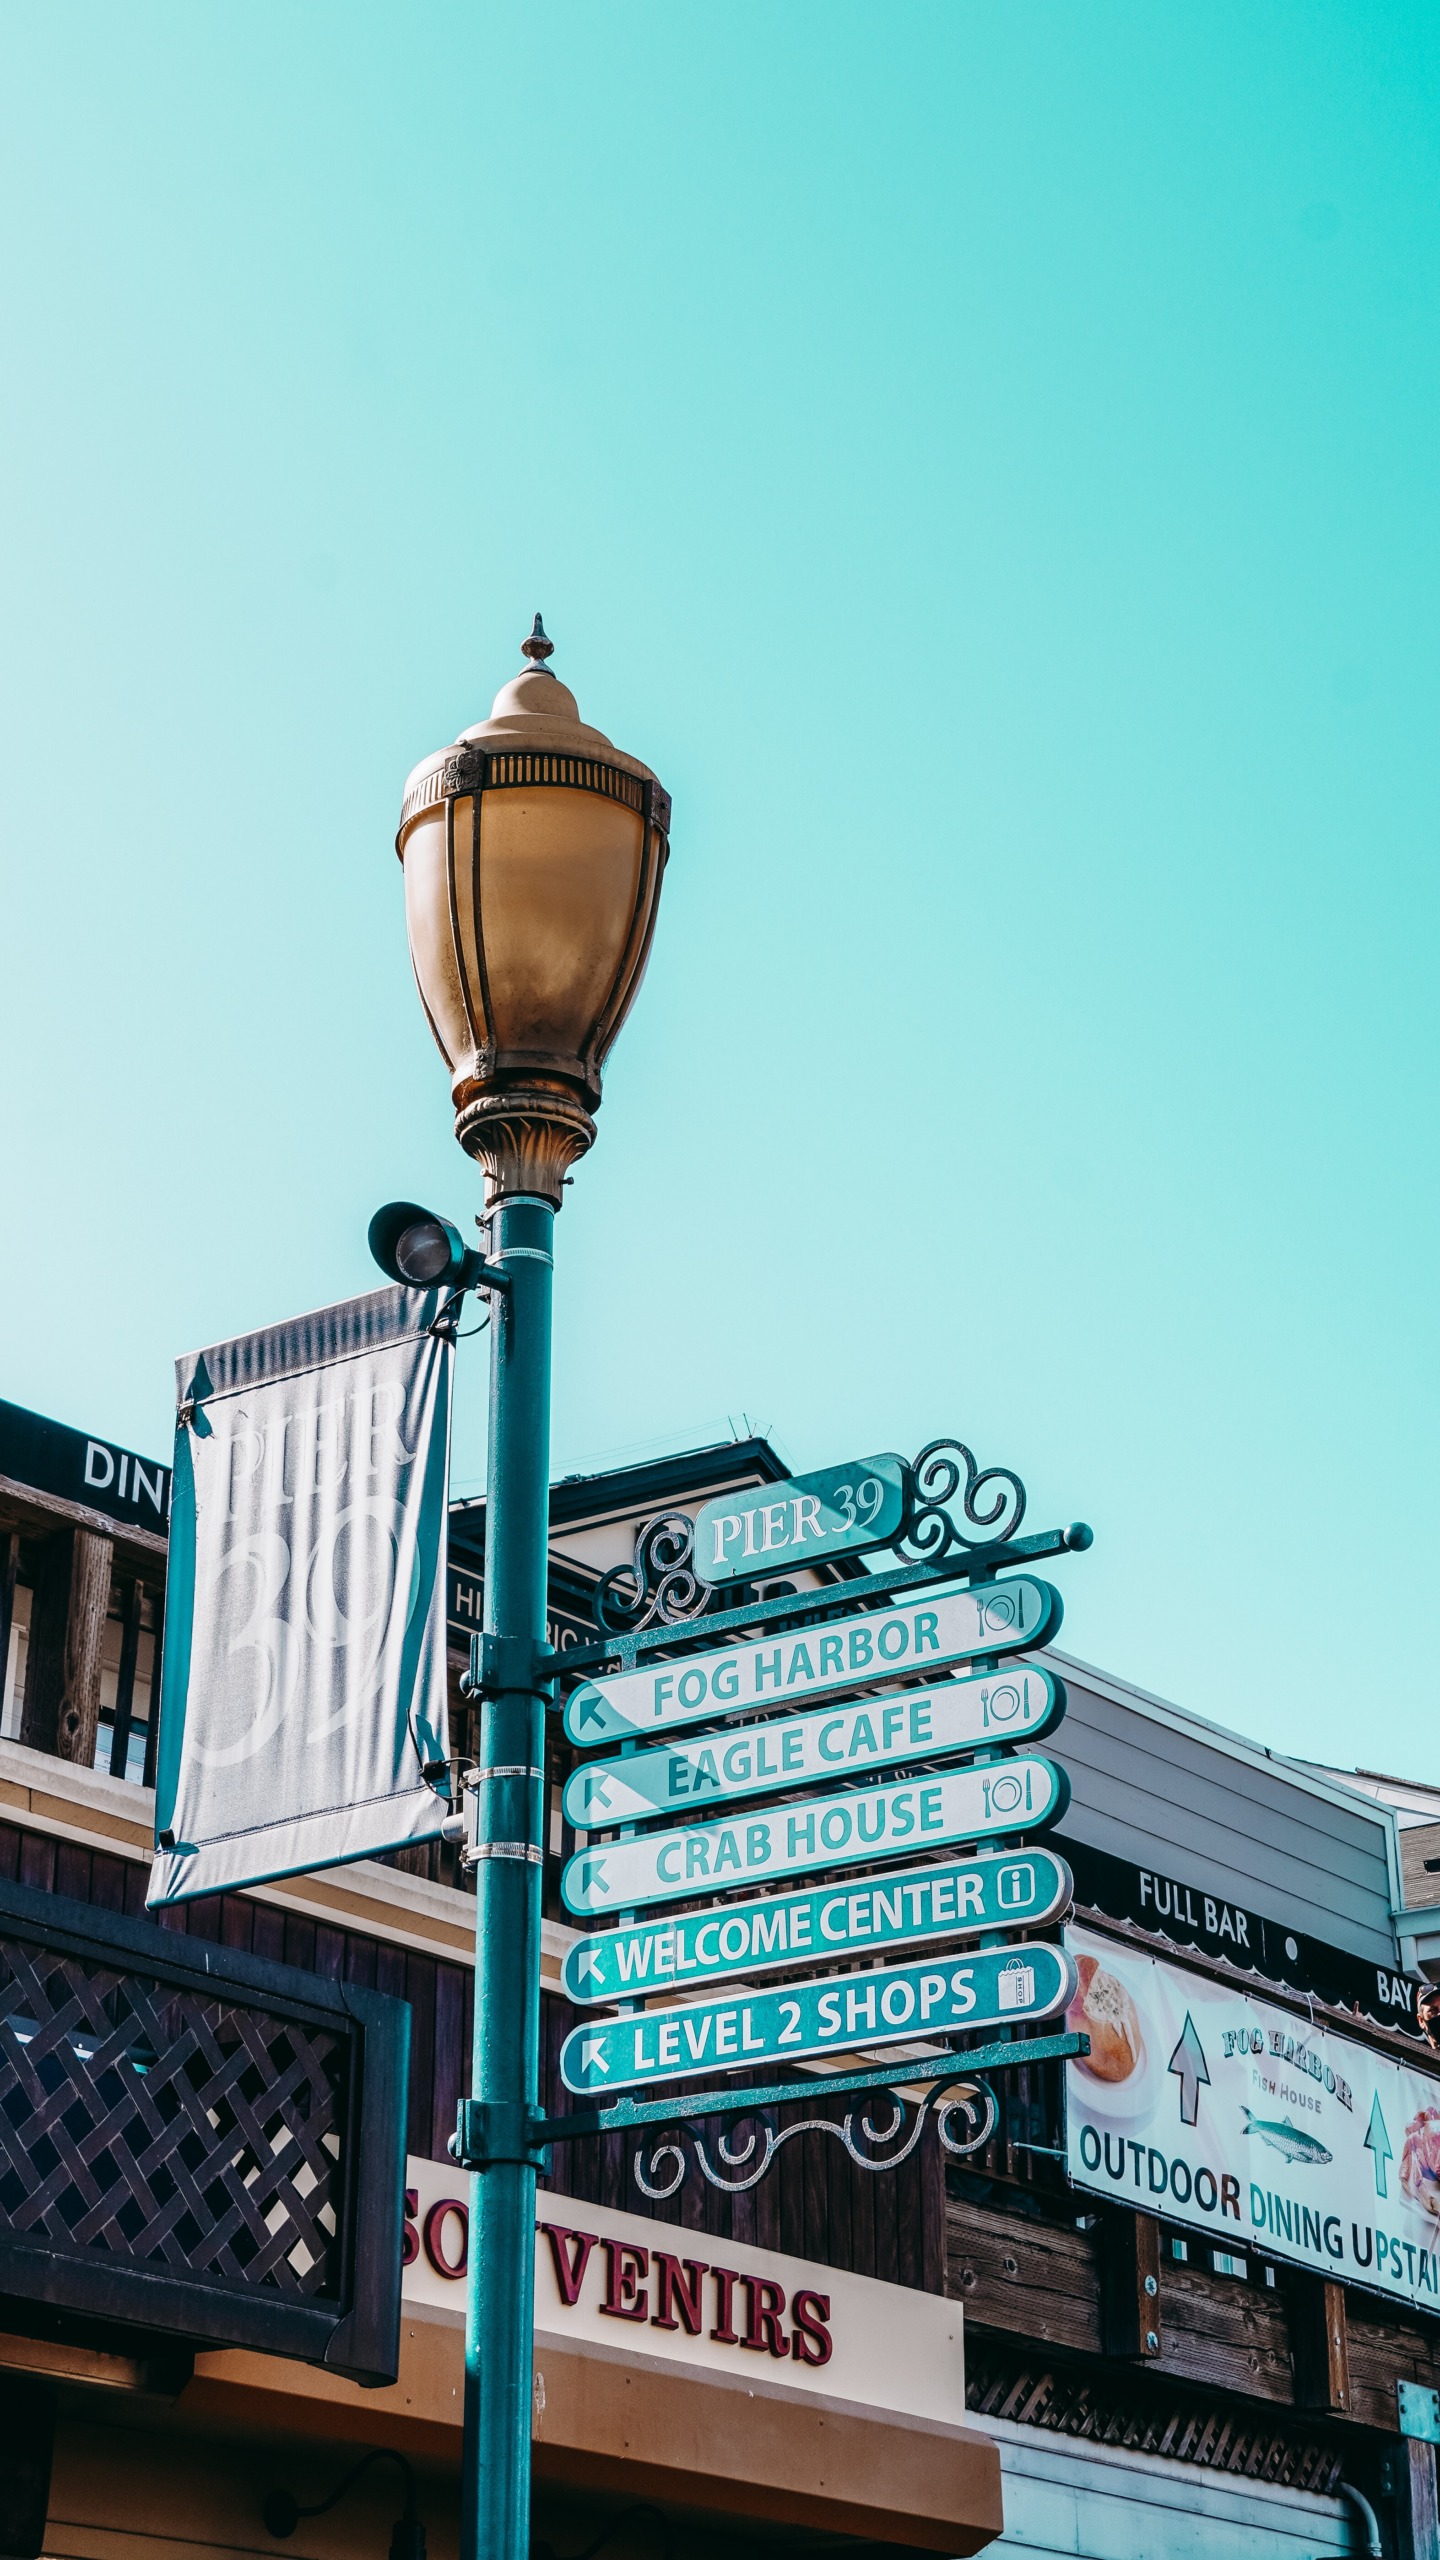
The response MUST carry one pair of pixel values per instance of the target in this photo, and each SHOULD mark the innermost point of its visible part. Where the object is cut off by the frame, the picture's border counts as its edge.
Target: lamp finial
(537, 649)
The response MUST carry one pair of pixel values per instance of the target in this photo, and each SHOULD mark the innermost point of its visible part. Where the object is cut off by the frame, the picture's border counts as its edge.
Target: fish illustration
(1292, 2144)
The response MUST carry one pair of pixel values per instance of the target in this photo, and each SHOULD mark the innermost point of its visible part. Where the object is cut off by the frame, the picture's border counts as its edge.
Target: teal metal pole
(505, 2072)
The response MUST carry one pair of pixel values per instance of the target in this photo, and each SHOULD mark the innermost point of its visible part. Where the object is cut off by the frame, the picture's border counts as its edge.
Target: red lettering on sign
(569, 2271)
(410, 2237)
(763, 2331)
(672, 2293)
(726, 2279)
(434, 2229)
(811, 2342)
(625, 2297)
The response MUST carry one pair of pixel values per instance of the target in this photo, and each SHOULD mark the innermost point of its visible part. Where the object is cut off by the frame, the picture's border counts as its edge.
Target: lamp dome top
(536, 710)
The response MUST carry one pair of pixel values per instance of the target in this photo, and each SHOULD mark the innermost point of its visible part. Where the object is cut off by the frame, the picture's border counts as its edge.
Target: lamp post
(533, 853)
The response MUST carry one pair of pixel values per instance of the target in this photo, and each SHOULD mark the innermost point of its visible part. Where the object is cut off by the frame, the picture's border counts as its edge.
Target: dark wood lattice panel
(168, 2129)
(197, 2141)
(1150, 2417)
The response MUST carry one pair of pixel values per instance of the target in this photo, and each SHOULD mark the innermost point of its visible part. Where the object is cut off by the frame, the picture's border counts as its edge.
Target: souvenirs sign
(797, 1751)
(837, 1511)
(893, 2004)
(1021, 1889)
(876, 1644)
(874, 1823)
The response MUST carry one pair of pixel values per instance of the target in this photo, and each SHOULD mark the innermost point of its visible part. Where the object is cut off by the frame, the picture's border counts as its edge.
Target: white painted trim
(100, 1812)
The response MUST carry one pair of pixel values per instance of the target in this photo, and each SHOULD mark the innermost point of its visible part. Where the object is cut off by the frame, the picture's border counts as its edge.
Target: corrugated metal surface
(1091, 2502)
(1159, 1790)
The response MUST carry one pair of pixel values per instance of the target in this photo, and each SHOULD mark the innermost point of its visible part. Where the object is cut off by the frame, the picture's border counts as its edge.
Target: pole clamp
(493, 2133)
(500, 1665)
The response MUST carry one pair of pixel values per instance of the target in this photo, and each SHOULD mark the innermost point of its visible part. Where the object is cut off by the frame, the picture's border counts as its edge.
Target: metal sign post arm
(626, 2113)
(802, 1608)
(496, 2137)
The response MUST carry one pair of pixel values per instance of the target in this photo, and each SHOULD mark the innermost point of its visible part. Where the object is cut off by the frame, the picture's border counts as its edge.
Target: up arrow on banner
(1188, 2064)
(593, 1877)
(597, 1792)
(592, 2055)
(1377, 2143)
(588, 1965)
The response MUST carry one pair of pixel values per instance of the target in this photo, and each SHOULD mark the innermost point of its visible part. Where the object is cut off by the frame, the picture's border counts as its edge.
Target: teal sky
(985, 459)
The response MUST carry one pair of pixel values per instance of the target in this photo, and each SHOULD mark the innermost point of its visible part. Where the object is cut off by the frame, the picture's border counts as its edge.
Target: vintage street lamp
(533, 854)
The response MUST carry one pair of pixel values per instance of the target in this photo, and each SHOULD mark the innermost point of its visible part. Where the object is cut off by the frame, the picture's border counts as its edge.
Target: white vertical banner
(303, 1688)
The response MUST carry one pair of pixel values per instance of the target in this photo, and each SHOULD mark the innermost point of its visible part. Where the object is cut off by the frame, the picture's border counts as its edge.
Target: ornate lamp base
(525, 1137)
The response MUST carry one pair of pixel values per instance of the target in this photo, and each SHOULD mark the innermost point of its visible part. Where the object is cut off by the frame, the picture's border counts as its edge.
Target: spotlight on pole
(423, 1251)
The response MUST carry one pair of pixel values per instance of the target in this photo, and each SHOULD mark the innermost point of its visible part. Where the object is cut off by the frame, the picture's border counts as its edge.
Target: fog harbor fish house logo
(1296, 2054)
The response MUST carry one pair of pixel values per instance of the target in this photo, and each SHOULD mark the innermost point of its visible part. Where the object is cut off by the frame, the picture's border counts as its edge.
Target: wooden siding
(1178, 1804)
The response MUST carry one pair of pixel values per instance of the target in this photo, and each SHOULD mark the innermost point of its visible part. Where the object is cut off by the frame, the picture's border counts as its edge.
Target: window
(127, 1663)
(14, 1691)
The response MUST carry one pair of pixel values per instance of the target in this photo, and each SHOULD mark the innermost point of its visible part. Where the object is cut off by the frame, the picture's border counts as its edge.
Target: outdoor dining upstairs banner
(303, 1686)
(1207, 2105)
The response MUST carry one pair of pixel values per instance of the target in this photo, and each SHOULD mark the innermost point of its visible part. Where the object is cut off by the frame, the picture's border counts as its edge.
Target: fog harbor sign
(993, 1618)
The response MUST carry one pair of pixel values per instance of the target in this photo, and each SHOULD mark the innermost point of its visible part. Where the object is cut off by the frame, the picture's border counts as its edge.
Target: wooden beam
(1410, 2485)
(9, 1567)
(1130, 2284)
(1319, 2341)
(62, 1671)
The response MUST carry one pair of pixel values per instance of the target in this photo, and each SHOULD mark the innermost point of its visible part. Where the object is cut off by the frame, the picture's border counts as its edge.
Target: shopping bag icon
(1017, 1984)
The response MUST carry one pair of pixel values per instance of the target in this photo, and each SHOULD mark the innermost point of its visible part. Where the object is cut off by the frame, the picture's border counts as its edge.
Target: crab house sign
(1244, 2121)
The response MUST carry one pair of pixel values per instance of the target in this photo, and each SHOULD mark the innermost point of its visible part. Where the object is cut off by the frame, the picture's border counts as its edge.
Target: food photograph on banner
(1255, 2125)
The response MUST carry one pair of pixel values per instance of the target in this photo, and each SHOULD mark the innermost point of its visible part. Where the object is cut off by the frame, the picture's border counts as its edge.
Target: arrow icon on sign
(592, 1877)
(588, 1707)
(1188, 2064)
(1377, 2143)
(592, 2056)
(597, 1792)
(588, 1963)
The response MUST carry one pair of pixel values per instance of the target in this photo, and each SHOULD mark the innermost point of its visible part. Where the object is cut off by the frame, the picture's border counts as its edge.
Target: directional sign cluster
(825, 1762)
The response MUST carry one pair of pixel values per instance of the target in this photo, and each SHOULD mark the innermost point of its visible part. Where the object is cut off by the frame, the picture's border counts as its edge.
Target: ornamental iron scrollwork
(943, 1469)
(975, 2099)
(660, 1587)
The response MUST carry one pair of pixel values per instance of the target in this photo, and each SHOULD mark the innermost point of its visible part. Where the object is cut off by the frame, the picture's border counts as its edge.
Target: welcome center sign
(1231, 2116)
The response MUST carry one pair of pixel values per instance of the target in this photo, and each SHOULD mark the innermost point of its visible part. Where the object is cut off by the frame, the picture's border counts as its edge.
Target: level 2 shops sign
(999, 1986)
